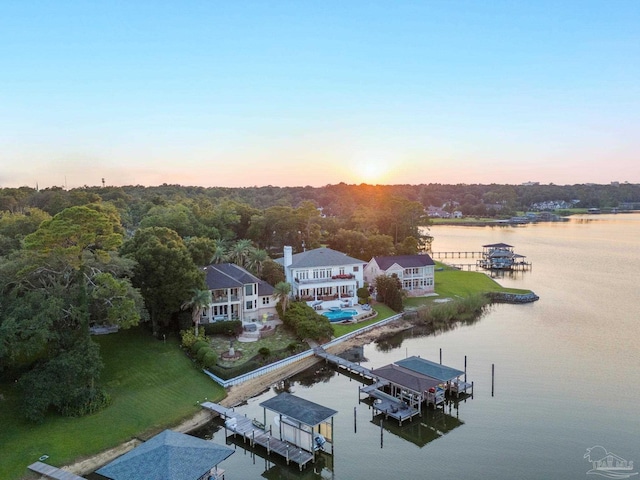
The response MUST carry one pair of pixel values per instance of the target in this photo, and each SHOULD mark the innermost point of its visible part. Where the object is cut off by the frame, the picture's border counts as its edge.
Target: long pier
(456, 254)
(249, 431)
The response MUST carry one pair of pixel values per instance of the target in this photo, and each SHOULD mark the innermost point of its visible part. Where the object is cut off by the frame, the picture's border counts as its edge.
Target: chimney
(288, 255)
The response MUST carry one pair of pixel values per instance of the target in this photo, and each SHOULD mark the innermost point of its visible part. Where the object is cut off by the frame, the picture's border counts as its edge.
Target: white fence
(300, 356)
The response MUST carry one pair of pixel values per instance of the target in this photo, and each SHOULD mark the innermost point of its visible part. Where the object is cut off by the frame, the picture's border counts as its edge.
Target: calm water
(567, 370)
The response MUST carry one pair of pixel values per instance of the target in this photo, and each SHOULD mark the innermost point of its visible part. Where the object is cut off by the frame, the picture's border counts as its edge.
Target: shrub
(198, 345)
(231, 328)
(202, 352)
(264, 351)
(210, 359)
(227, 373)
(306, 323)
(189, 337)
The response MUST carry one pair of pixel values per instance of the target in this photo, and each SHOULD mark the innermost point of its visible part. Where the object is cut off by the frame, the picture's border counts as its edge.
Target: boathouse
(500, 256)
(302, 423)
(449, 378)
(169, 456)
(299, 429)
(402, 387)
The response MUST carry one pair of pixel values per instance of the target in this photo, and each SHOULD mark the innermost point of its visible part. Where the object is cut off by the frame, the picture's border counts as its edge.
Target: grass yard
(383, 312)
(278, 341)
(452, 283)
(153, 386)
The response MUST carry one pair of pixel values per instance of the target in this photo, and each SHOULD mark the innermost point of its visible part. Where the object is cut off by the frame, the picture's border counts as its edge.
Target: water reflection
(392, 341)
(433, 424)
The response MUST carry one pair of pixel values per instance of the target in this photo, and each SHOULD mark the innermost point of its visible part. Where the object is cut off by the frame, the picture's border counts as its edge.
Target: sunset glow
(250, 93)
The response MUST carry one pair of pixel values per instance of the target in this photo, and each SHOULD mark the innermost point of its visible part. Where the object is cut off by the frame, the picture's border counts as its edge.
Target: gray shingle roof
(227, 275)
(321, 257)
(299, 409)
(167, 456)
(405, 261)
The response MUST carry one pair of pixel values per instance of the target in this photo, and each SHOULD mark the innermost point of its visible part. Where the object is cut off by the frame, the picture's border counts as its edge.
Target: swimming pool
(340, 315)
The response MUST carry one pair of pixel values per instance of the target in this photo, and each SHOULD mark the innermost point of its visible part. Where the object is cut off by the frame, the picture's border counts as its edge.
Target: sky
(295, 93)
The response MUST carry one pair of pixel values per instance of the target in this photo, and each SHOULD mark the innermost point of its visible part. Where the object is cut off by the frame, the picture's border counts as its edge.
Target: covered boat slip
(301, 427)
(449, 377)
(403, 387)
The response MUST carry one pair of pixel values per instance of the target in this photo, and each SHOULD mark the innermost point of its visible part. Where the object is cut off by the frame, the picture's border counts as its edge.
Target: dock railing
(300, 356)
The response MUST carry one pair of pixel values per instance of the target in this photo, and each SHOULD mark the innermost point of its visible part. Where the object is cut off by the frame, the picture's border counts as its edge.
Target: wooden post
(441, 356)
(269, 445)
(493, 377)
(465, 369)
(381, 433)
(355, 423)
(287, 454)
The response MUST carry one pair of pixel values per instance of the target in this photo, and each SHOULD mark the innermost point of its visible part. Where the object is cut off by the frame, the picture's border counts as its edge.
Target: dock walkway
(390, 406)
(260, 436)
(344, 364)
(53, 472)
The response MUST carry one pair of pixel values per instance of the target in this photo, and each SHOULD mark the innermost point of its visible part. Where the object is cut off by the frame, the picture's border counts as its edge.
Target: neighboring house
(416, 272)
(237, 295)
(169, 456)
(323, 276)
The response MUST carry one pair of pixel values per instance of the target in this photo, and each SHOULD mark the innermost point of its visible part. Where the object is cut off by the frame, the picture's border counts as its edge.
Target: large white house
(323, 276)
(416, 272)
(237, 295)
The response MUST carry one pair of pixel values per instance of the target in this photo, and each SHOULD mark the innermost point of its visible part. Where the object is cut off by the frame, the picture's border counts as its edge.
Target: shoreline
(237, 395)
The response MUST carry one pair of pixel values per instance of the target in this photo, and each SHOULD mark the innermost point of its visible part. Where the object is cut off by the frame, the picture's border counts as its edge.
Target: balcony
(337, 279)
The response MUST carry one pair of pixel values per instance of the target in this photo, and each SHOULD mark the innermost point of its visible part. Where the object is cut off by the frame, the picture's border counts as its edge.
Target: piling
(493, 376)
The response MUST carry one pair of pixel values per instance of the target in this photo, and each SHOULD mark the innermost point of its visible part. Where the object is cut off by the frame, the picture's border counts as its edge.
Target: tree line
(74, 259)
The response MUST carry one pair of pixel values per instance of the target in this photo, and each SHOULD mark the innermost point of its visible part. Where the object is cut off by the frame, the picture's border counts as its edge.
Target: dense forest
(74, 259)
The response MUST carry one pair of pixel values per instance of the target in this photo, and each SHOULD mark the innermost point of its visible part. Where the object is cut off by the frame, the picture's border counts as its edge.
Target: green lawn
(278, 341)
(153, 386)
(383, 312)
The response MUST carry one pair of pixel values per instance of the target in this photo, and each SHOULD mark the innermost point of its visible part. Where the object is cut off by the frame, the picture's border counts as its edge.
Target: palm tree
(281, 291)
(219, 254)
(257, 257)
(240, 252)
(200, 300)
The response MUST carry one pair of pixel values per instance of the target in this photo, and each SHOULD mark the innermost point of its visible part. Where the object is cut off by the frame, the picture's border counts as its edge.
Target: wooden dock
(341, 363)
(260, 436)
(390, 406)
(53, 472)
(456, 254)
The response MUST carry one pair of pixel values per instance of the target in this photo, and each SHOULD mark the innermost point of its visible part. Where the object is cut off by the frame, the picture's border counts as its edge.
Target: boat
(257, 424)
(319, 442)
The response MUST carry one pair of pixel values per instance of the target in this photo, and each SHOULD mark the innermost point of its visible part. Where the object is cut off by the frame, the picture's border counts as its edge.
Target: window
(248, 289)
(265, 300)
(249, 305)
(356, 269)
(341, 270)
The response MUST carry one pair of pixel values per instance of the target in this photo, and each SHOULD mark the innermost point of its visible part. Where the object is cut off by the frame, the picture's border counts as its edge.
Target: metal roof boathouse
(403, 387)
(302, 427)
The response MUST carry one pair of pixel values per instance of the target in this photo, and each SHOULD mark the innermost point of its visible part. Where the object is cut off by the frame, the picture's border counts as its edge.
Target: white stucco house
(416, 272)
(323, 277)
(237, 295)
